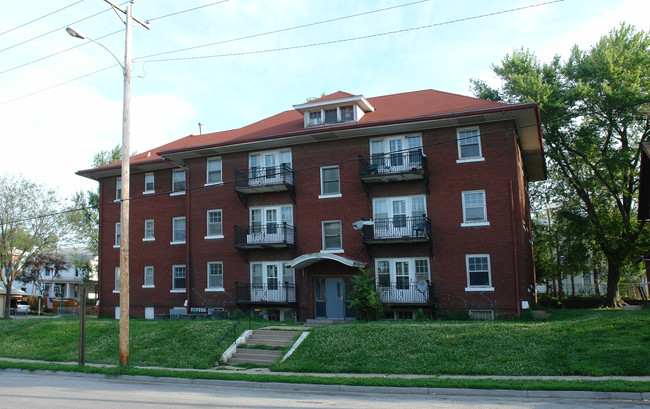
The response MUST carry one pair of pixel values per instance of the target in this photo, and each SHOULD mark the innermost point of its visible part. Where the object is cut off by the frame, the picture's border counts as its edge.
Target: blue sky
(437, 44)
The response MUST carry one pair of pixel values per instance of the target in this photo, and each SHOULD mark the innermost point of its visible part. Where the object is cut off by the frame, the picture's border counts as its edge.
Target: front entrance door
(330, 298)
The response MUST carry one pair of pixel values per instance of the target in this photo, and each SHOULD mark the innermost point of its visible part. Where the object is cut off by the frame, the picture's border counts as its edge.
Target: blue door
(334, 298)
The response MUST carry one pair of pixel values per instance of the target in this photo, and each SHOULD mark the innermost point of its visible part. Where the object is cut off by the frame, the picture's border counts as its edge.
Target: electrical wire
(354, 38)
(279, 30)
(41, 17)
(185, 11)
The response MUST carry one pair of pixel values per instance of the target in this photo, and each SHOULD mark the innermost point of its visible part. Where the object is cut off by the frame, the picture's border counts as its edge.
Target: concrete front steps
(265, 343)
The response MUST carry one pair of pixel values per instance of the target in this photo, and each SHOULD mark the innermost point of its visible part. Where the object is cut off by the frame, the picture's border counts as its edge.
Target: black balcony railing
(264, 176)
(398, 227)
(270, 292)
(391, 163)
(406, 292)
(265, 234)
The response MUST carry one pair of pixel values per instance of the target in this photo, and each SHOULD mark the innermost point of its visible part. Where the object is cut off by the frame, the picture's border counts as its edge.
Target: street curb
(388, 390)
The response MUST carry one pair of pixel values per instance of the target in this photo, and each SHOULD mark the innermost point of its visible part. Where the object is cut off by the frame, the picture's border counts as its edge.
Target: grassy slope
(594, 343)
(570, 343)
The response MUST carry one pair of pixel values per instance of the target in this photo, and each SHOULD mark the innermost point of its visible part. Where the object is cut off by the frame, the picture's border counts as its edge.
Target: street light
(126, 164)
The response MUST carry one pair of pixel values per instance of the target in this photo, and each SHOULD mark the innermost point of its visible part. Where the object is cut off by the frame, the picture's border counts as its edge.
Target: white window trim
(178, 192)
(116, 290)
(173, 242)
(178, 290)
(207, 172)
(148, 192)
(474, 224)
(489, 287)
(411, 265)
(145, 232)
(329, 195)
(118, 195)
(216, 236)
(479, 158)
(116, 245)
(207, 276)
(324, 250)
(145, 275)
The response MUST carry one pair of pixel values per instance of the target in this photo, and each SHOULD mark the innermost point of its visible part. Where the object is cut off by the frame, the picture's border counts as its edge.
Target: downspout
(99, 250)
(514, 247)
(188, 240)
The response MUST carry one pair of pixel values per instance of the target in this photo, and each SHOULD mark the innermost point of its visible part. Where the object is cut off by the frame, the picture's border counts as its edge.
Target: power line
(42, 17)
(185, 11)
(280, 30)
(354, 38)
(57, 29)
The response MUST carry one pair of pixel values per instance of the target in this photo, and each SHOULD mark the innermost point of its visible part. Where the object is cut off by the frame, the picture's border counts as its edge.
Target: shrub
(364, 296)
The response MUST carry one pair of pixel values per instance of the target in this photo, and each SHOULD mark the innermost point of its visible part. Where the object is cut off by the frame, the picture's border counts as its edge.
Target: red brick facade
(502, 173)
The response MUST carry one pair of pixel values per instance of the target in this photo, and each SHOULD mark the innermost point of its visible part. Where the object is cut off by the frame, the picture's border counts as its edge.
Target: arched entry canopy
(307, 260)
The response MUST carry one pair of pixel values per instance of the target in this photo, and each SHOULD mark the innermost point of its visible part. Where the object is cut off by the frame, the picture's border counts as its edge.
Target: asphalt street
(20, 389)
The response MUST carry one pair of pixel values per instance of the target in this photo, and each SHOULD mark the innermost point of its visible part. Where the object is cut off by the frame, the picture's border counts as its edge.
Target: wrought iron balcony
(407, 292)
(264, 179)
(398, 229)
(269, 293)
(265, 235)
(394, 167)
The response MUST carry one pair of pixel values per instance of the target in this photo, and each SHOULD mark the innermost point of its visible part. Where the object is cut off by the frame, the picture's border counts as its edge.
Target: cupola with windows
(336, 108)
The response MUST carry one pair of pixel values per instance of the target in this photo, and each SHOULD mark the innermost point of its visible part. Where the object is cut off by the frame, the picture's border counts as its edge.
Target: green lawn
(594, 342)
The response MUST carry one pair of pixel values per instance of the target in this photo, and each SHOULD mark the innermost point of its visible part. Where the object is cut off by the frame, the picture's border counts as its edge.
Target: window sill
(220, 236)
(330, 196)
(179, 193)
(148, 192)
(214, 290)
(116, 291)
(116, 246)
(149, 239)
(179, 290)
(213, 183)
(177, 242)
(333, 251)
(148, 286)
(469, 160)
(475, 224)
(479, 288)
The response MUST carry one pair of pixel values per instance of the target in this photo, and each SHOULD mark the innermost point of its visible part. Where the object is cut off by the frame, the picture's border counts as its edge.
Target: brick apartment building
(427, 188)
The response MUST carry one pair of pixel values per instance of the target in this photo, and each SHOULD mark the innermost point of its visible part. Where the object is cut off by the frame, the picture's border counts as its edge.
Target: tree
(595, 114)
(35, 266)
(30, 222)
(364, 296)
(86, 218)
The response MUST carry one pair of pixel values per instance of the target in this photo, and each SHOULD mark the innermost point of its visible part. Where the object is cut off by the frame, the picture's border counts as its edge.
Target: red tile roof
(388, 108)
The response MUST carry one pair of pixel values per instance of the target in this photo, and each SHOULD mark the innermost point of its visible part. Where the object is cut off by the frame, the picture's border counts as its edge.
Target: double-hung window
(178, 181)
(178, 230)
(478, 272)
(148, 277)
(215, 224)
(332, 241)
(117, 280)
(474, 210)
(178, 278)
(330, 183)
(117, 235)
(213, 171)
(149, 183)
(469, 144)
(118, 189)
(215, 276)
(148, 230)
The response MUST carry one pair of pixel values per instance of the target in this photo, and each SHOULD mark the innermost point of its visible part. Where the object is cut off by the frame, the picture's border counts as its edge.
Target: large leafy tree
(595, 114)
(30, 222)
(86, 218)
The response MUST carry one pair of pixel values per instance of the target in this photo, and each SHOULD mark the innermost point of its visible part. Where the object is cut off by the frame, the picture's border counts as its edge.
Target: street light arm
(76, 34)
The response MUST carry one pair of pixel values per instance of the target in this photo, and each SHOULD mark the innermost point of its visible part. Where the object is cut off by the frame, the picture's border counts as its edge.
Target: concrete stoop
(264, 341)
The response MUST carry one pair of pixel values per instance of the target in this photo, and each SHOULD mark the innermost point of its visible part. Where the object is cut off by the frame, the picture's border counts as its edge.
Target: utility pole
(126, 164)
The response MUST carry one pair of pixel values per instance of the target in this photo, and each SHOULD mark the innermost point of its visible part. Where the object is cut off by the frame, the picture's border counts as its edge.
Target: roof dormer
(336, 108)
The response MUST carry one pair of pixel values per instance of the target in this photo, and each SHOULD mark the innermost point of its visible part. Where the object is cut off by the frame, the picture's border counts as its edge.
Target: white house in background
(65, 283)
(583, 284)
